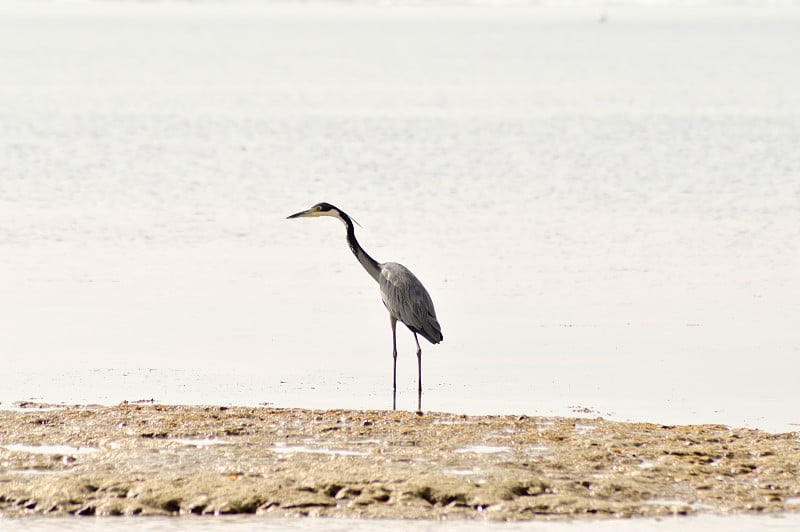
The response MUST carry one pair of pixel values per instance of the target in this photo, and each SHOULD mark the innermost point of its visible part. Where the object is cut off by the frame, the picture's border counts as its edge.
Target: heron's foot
(419, 412)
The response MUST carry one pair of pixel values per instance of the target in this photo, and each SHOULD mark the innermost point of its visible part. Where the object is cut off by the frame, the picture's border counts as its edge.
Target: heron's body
(402, 293)
(407, 301)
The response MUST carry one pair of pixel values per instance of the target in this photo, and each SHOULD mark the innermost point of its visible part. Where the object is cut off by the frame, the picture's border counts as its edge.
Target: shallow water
(603, 201)
(50, 449)
(678, 524)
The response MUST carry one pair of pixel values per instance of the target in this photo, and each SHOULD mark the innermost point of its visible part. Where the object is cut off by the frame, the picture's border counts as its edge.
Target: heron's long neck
(363, 257)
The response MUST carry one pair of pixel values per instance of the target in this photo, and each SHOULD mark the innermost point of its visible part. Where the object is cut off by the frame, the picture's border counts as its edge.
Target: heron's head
(320, 209)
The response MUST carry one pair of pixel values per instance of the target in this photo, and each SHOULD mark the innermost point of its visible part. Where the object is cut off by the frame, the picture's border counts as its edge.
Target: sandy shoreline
(136, 459)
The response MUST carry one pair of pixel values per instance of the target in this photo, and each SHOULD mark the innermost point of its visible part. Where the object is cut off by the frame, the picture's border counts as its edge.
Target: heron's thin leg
(419, 367)
(394, 357)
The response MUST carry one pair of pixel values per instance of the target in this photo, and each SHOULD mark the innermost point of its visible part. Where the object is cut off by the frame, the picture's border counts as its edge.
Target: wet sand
(145, 459)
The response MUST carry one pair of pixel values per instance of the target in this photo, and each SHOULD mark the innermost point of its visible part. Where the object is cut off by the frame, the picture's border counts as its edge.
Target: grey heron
(402, 293)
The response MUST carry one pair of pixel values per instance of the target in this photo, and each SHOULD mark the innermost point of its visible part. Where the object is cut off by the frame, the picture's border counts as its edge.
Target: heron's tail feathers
(432, 331)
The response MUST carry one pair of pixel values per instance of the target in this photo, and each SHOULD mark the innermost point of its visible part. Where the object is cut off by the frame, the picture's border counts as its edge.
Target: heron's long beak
(300, 214)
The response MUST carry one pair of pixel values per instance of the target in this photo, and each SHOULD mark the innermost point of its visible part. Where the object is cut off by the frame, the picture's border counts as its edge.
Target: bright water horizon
(702, 523)
(604, 203)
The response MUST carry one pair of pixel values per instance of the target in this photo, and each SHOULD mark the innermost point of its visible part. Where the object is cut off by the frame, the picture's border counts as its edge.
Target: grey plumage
(402, 293)
(407, 300)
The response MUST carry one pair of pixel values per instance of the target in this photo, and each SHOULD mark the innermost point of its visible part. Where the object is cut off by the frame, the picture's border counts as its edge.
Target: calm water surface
(603, 202)
(208, 524)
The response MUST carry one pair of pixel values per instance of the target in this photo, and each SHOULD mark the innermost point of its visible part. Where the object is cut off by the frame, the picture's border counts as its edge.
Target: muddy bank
(153, 459)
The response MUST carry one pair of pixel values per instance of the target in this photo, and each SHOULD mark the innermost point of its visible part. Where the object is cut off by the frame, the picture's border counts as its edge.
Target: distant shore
(135, 459)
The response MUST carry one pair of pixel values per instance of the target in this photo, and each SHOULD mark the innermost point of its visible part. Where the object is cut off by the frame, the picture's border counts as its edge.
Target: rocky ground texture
(144, 459)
